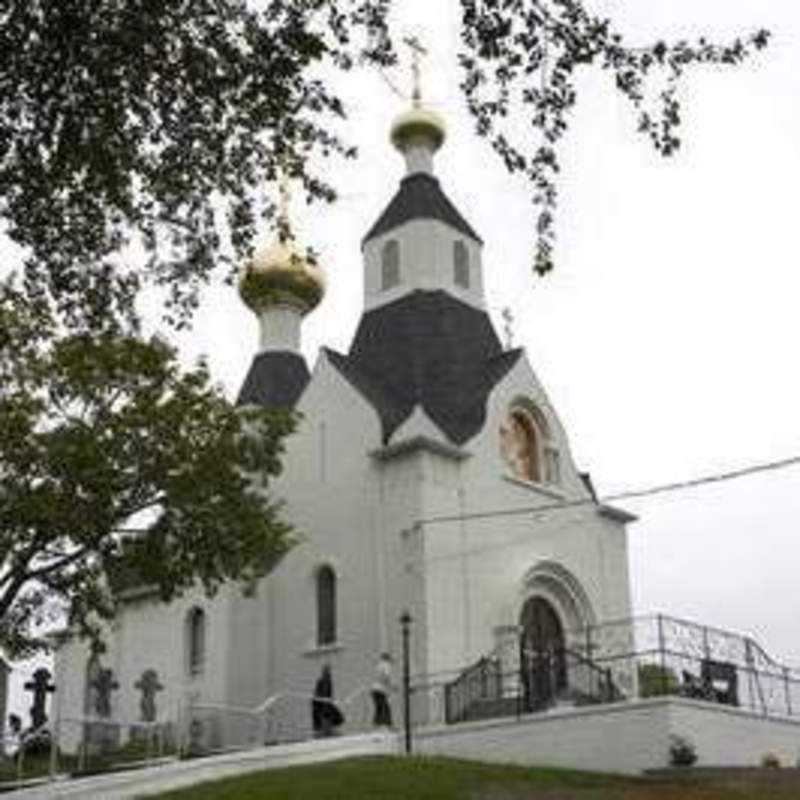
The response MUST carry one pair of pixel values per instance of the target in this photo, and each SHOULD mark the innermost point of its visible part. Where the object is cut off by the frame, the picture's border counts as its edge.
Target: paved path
(180, 774)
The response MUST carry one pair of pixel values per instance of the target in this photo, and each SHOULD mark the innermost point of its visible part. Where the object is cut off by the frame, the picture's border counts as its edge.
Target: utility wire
(663, 488)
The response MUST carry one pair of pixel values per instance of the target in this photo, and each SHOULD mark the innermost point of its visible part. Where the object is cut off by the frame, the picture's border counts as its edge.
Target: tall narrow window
(390, 264)
(326, 606)
(195, 641)
(552, 465)
(460, 264)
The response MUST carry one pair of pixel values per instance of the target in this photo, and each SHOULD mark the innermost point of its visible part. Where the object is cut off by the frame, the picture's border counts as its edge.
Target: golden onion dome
(418, 122)
(278, 274)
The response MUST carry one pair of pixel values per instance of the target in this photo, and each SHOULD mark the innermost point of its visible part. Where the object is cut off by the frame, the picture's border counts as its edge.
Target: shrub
(682, 752)
(770, 761)
(656, 680)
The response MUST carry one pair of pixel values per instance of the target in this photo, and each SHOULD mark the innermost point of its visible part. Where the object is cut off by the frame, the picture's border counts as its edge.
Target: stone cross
(417, 50)
(148, 685)
(39, 687)
(104, 683)
(508, 329)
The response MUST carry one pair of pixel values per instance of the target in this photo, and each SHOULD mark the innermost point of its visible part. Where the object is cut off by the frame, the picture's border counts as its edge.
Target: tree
(166, 122)
(521, 60)
(163, 123)
(119, 468)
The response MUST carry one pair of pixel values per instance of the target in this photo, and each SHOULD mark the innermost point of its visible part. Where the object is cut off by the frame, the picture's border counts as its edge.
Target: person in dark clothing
(325, 715)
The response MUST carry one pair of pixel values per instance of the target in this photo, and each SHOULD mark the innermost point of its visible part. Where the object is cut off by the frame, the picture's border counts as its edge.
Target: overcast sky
(666, 337)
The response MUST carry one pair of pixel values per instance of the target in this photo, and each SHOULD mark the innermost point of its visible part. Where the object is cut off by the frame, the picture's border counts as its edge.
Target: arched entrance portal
(542, 657)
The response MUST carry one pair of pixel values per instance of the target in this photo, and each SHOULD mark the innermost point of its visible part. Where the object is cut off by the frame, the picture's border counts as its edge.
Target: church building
(429, 473)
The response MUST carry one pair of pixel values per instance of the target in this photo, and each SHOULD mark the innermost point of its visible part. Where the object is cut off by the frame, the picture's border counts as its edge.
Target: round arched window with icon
(526, 446)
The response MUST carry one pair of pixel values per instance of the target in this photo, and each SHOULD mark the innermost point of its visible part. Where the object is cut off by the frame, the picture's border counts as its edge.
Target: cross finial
(508, 329)
(417, 50)
(284, 195)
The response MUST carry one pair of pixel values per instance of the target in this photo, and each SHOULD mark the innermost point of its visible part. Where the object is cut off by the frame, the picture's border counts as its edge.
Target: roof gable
(420, 197)
(427, 349)
(276, 379)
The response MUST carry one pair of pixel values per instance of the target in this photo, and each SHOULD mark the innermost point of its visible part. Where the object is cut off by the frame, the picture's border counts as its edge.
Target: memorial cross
(39, 687)
(104, 683)
(148, 685)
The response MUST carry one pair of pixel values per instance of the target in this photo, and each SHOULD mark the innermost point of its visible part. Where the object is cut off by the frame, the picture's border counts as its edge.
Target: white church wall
(152, 635)
(476, 567)
(333, 496)
(619, 737)
(426, 262)
(146, 634)
(68, 700)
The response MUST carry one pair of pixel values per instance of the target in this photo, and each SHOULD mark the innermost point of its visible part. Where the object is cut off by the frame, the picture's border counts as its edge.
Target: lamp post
(405, 622)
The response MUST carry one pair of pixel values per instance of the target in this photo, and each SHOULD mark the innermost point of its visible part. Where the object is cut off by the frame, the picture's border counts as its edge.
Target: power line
(663, 488)
(650, 491)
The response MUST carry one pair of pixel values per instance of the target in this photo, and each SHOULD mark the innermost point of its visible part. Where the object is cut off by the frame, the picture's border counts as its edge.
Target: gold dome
(418, 121)
(279, 275)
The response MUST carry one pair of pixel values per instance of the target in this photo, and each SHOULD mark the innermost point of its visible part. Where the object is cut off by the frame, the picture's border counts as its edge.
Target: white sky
(667, 336)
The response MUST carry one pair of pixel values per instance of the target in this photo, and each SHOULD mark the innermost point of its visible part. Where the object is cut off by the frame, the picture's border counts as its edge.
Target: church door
(542, 657)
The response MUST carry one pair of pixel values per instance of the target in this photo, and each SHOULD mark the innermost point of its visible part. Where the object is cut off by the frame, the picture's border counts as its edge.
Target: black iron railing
(625, 659)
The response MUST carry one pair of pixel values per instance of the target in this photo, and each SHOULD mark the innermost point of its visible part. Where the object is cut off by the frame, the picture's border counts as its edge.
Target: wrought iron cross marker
(40, 686)
(148, 685)
(104, 683)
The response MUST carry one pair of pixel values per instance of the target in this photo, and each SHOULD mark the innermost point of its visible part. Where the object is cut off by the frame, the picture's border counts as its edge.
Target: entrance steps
(179, 774)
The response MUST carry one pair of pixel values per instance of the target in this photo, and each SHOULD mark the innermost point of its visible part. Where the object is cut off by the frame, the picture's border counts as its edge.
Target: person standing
(381, 687)
(325, 714)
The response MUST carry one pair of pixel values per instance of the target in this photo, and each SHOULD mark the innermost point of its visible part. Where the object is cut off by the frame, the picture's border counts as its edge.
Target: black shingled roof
(276, 379)
(431, 349)
(420, 197)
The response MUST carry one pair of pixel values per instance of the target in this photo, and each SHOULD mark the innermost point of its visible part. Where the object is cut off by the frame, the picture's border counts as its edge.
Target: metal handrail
(266, 704)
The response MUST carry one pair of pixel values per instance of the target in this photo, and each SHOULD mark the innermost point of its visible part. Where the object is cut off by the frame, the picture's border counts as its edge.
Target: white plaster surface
(623, 737)
(279, 328)
(426, 262)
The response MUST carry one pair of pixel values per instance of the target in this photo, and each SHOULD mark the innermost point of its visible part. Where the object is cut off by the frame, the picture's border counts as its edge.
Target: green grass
(394, 778)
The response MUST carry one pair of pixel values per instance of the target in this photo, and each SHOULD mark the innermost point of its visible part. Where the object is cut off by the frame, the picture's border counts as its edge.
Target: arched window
(524, 450)
(90, 692)
(195, 641)
(526, 445)
(326, 605)
(390, 264)
(460, 264)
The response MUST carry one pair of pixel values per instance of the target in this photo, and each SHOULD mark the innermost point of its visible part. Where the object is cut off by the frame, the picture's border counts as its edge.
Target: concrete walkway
(180, 774)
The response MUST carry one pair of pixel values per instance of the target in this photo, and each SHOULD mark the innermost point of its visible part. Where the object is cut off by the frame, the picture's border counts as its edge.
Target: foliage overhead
(120, 469)
(163, 123)
(522, 58)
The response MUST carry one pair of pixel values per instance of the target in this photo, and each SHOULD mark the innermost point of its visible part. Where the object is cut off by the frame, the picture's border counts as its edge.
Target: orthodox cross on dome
(39, 686)
(417, 51)
(508, 328)
(284, 196)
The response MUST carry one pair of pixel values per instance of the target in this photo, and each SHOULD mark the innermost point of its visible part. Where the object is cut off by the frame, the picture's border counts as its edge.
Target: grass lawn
(395, 778)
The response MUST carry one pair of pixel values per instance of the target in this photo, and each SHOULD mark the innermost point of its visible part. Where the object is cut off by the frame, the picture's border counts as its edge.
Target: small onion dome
(417, 123)
(279, 275)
